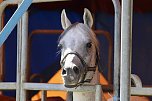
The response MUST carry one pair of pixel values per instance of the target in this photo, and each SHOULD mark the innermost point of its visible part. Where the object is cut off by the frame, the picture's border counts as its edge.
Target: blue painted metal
(14, 20)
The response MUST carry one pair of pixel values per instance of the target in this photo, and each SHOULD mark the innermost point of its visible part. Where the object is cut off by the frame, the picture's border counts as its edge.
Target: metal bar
(15, 2)
(144, 91)
(23, 26)
(13, 20)
(7, 86)
(98, 93)
(117, 49)
(136, 81)
(18, 62)
(2, 53)
(56, 87)
(43, 95)
(1, 63)
(21, 56)
(47, 31)
(41, 1)
(2, 57)
(126, 49)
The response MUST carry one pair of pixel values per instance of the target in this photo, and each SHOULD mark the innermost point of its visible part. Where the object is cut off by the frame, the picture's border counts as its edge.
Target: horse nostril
(76, 70)
(64, 72)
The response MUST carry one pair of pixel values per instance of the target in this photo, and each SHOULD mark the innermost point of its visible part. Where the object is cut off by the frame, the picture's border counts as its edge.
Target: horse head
(79, 50)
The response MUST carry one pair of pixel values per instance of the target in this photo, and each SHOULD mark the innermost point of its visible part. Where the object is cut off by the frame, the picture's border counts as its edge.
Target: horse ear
(87, 17)
(64, 20)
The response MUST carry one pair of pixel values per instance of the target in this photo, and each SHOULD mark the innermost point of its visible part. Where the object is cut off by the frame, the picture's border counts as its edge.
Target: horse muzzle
(74, 69)
(71, 76)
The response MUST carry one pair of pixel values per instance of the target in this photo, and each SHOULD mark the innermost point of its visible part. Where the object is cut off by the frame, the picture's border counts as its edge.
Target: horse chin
(70, 83)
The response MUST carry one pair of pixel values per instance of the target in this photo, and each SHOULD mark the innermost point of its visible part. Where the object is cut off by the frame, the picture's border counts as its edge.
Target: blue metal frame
(14, 20)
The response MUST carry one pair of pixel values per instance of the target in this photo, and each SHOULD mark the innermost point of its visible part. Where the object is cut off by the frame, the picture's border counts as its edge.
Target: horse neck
(96, 78)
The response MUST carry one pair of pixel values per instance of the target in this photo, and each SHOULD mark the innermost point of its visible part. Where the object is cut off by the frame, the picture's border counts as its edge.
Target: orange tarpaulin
(58, 79)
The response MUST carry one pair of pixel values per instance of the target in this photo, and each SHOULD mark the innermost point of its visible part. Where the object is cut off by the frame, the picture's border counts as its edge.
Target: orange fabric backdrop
(58, 79)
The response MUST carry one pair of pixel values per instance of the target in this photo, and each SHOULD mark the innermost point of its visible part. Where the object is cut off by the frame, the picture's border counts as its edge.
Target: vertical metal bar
(126, 49)
(2, 7)
(2, 53)
(43, 95)
(24, 54)
(98, 93)
(18, 84)
(14, 20)
(117, 49)
(1, 63)
(22, 39)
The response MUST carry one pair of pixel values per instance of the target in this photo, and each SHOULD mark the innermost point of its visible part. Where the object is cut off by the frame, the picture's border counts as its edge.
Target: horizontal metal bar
(41, 1)
(34, 1)
(146, 91)
(57, 87)
(14, 20)
(7, 86)
(46, 31)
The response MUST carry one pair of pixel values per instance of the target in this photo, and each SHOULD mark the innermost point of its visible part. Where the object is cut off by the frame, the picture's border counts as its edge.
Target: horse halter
(87, 68)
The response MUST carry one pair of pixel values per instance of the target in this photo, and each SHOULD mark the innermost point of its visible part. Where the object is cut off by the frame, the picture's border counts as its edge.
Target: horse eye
(89, 45)
(60, 46)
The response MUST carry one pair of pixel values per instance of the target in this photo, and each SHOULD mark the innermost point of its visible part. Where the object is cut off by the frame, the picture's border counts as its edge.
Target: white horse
(79, 56)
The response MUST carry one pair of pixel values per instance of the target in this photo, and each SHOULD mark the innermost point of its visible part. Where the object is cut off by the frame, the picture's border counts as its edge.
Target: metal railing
(122, 58)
